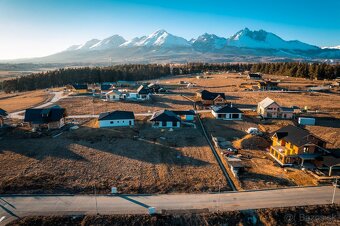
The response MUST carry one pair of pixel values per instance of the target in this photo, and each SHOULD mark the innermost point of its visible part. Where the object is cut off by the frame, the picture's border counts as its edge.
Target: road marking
(2, 218)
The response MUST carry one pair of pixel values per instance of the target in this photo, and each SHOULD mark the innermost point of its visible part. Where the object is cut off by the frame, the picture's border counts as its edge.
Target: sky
(34, 28)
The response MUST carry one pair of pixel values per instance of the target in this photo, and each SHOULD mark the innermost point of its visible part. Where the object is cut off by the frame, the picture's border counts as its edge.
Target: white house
(165, 119)
(227, 112)
(116, 119)
(268, 108)
(113, 95)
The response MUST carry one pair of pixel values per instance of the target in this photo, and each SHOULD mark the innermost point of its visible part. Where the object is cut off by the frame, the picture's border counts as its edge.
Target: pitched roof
(79, 86)
(226, 109)
(207, 95)
(113, 91)
(105, 86)
(114, 115)
(3, 112)
(165, 116)
(294, 135)
(266, 102)
(190, 112)
(44, 115)
(143, 90)
(254, 75)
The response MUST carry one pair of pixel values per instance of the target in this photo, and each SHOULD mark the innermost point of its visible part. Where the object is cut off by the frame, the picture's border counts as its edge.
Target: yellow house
(294, 145)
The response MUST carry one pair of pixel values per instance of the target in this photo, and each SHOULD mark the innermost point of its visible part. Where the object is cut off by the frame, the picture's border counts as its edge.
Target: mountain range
(161, 47)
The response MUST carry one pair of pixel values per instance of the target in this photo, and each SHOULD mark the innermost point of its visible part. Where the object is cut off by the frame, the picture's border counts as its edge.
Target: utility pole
(335, 186)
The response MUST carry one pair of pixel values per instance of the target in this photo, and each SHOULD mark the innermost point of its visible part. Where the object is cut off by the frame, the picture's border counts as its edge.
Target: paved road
(12, 207)
(57, 96)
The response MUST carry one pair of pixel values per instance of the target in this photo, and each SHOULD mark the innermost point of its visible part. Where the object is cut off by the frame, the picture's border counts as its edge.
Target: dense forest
(136, 72)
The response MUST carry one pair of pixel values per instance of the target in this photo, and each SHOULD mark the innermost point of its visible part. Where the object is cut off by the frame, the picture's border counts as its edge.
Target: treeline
(303, 70)
(62, 77)
(134, 72)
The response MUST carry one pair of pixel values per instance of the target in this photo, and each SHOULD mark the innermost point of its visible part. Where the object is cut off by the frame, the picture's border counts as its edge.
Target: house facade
(227, 112)
(116, 119)
(113, 95)
(50, 118)
(185, 115)
(208, 98)
(165, 119)
(268, 108)
(294, 145)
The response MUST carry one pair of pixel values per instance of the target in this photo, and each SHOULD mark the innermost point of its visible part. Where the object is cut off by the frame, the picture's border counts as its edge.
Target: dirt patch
(251, 142)
(136, 160)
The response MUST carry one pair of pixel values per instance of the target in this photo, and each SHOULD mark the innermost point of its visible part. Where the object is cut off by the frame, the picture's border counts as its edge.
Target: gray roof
(226, 109)
(266, 102)
(165, 116)
(115, 115)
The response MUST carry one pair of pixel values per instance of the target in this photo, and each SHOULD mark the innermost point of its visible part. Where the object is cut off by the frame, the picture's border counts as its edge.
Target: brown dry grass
(19, 101)
(88, 105)
(77, 160)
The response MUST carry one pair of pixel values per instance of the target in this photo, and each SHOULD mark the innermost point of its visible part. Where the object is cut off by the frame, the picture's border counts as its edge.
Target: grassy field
(138, 160)
(19, 101)
(88, 105)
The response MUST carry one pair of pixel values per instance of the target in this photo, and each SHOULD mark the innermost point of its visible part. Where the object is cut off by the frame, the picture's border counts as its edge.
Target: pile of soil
(251, 142)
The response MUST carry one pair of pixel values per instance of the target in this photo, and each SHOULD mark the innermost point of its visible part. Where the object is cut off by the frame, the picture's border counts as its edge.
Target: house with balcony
(294, 145)
(268, 108)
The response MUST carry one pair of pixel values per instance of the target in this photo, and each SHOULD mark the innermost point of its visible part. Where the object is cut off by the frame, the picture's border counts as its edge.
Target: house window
(111, 122)
(174, 123)
(163, 123)
(305, 149)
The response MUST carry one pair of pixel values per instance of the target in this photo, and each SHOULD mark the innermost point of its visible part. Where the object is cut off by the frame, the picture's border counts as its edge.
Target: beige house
(268, 108)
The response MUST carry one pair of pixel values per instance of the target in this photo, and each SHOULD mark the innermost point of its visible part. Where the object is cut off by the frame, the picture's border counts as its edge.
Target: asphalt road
(14, 206)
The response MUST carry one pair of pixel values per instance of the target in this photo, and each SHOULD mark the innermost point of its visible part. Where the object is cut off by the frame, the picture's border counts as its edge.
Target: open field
(263, 172)
(138, 160)
(82, 105)
(19, 101)
(304, 215)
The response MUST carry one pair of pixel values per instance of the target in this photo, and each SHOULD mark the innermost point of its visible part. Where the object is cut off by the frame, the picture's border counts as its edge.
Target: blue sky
(31, 28)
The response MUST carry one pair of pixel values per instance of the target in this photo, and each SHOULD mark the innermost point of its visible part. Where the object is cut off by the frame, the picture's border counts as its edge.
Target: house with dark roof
(268, 108)
(116, 119)
(254, 76)
(209, 98)
(165, 119)
(227, 112)
(186, 115)
(294, 145)
(3, 115)
(50, 118)
(80, 88)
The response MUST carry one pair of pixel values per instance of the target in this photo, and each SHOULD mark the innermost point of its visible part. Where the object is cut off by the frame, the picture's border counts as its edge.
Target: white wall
(228, 116)
(116, 123)
(168, 125)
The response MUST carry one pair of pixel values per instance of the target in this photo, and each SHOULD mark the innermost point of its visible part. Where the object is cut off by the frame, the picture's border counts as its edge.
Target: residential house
(52, 118)
(294, 145)
(186, 115)
(254, 76)
(268, 108)
(267, 85)
(3, 115)
(165, 119)
(227, 112)
(116, 119)
(105, 88)
(209, 98)
(80, 88)
(113, 95)
(154, 88)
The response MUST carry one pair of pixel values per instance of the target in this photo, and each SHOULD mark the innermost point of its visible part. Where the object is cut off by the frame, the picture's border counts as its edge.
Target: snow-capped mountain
(209, 41)
(161, 46)
(110, 42)
(265, 40)
(160, 38)
(331, 47)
